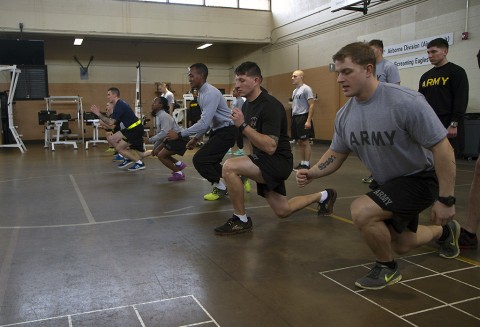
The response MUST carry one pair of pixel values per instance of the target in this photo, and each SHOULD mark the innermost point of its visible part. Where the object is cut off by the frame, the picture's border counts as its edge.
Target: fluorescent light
(203, 46)
(78, 41)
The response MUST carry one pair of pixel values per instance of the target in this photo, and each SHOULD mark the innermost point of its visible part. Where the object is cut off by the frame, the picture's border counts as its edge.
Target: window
(187, 2)
(255, 4)
(222, 3)
(240, 4)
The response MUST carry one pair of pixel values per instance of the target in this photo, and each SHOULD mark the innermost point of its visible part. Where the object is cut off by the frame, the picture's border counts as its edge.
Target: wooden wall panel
(324, 85)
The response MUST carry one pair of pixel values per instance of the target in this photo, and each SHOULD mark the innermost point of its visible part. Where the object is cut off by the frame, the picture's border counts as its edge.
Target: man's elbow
(271, 149)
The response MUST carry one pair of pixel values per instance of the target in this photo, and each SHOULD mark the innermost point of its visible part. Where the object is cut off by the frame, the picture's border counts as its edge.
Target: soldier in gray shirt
(397, 135)
(216, 117)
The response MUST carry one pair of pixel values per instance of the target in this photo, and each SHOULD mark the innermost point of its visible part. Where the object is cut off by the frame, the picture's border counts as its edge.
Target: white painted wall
(308, 34)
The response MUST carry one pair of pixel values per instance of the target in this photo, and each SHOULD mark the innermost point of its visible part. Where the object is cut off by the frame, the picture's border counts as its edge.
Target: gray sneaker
(379, 277)
(449, 248)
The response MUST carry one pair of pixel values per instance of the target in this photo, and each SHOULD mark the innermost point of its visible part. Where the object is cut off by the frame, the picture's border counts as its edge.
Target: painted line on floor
(85, 207)
(405, 283)
(369, 300)
(6, 264)
(134, 306)
(177, 210)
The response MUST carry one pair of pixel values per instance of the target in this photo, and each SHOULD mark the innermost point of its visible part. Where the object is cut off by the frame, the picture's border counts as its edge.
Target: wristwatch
(447, 200)
(242, 127)
(454, 124)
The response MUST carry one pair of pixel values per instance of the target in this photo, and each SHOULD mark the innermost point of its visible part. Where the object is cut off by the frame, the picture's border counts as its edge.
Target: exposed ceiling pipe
(465, 31)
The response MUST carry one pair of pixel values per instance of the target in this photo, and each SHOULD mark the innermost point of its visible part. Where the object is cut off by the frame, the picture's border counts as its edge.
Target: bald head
(297, 77)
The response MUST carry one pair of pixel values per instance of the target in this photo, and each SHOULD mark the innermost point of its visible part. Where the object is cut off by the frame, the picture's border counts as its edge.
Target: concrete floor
(83, 243)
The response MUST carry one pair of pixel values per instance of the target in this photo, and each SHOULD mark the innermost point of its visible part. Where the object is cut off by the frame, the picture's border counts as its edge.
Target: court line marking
(369, 300)
(69, 316)
(6, 264)
(84, 204)
(405, 283)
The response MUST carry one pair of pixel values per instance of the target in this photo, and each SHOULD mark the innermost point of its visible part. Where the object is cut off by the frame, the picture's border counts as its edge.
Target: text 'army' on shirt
(375, 138)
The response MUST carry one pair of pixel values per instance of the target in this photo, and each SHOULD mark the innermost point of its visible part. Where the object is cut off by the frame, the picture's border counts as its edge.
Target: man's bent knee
(361, 214)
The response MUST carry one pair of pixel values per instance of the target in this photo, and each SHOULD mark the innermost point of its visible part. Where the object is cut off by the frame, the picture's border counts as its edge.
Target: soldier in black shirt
(264, 123)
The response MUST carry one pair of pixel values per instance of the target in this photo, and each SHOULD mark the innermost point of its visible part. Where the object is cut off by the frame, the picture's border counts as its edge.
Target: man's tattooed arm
(326, 163)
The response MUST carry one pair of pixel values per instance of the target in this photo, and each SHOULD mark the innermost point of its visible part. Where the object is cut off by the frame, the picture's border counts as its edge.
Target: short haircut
(249, 68)
(439, 43)
(115, 91)
(359, 52)
(376, 43)
(163, 101)
(201, 68)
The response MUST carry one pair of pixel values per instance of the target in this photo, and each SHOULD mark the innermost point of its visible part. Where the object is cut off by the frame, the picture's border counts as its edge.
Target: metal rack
(70, 100)
(13, 85)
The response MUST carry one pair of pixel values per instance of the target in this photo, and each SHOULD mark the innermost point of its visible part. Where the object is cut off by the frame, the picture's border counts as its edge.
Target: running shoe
(176, 177)
(182, 166)
(239, 152)
(125, 163)
(229, 151)
(118, 157)
(215, 194)
(466, 241)
(234, 226)
(449, 248)
(300, 166)
(137, 166)
(247, 186)
(325, 208)
(379, 277)
(368, 179)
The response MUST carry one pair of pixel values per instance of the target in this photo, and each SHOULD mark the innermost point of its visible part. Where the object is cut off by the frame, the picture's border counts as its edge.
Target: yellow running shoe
(215, 194)
(247, 186)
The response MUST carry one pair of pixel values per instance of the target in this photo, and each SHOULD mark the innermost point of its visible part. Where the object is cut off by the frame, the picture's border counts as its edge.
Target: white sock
(139, 162)
(323, 197)
(178, 172)
(178, 163)
(243, 218)
(307, 163)
(220, 185)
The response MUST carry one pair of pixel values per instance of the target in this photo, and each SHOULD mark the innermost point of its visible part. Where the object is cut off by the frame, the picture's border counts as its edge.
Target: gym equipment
(13, 84)
(65, 118)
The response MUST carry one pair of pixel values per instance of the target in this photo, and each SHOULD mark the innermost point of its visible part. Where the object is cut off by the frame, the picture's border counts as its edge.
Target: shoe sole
(330, 206)
(457, 236)
(233, 233)
(125, 166)
(141, 168)
(394, 281)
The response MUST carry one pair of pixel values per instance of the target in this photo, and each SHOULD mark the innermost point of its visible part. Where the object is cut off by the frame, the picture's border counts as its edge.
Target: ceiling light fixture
(78, 41)
(203, 46)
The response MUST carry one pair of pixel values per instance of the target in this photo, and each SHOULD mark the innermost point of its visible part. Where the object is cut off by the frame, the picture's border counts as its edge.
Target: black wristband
(242, 127)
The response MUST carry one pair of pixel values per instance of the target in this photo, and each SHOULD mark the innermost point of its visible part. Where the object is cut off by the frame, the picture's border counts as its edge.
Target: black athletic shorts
(134, 137)
(406, 197)
(178, 146)
(275, 170)
(298, 128)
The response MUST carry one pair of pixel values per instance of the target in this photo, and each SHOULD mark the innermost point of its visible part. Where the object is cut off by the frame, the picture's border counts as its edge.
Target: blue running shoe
(125, 163)
(118, 158)
(137, 166)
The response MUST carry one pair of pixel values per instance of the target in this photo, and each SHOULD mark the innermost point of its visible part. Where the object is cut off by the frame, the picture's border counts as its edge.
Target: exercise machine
(13, 85)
